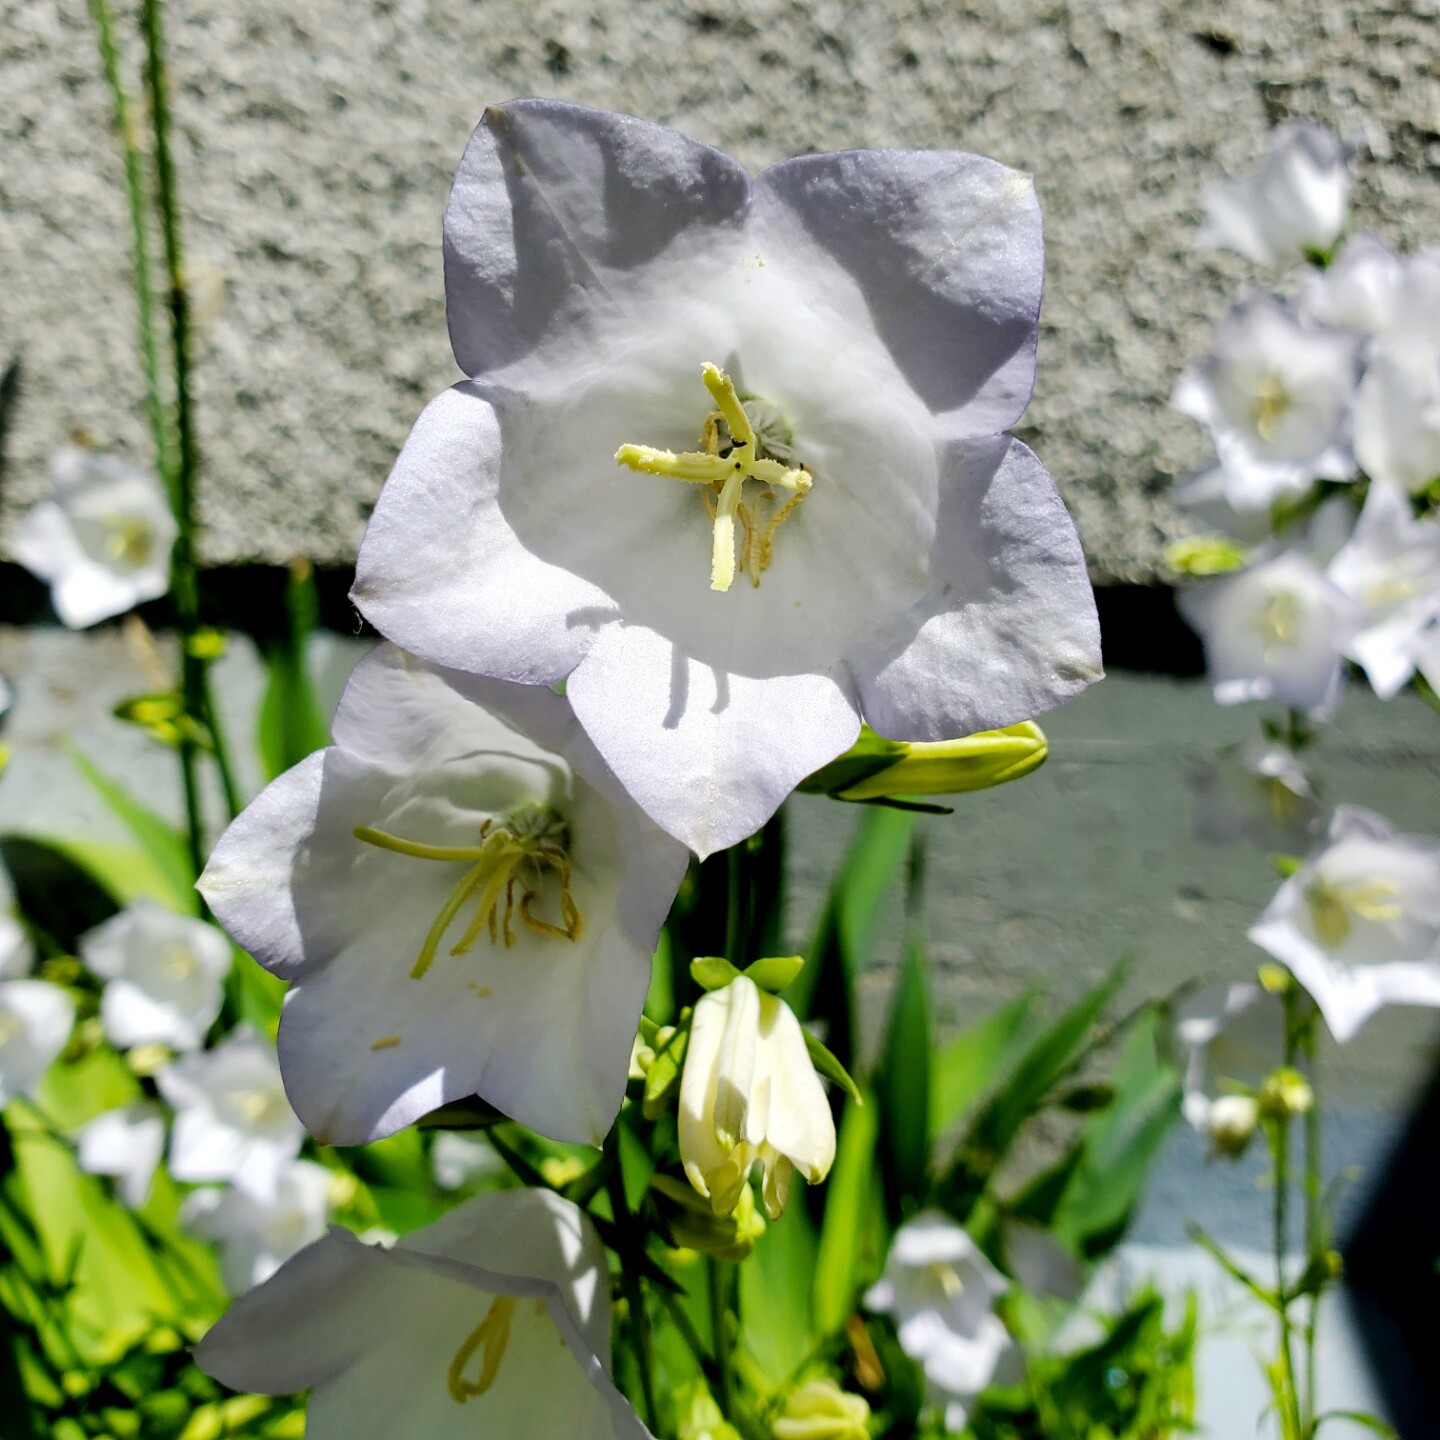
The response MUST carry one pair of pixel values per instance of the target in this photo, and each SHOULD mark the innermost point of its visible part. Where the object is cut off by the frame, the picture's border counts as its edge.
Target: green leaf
(902, 1089)
(1357, 1417)
(831, 1068)
(637, 1164)
(962, 1071)
(292, 723)
(59, 898)
(995, 1127)
(824, 991)
(777, 1332)
(842, 1262)
(156, 837)
(775, 972)
(712, 972)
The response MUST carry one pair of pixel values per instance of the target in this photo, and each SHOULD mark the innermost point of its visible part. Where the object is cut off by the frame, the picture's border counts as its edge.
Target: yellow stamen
(491, 1336)
(385, 1042)
(518, 853)
(724, 476)
(1271, 402)
(1331, 906)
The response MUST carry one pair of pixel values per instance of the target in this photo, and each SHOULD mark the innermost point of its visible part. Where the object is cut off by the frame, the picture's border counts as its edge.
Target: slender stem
(184, 580)
(719, 1277)
(634, 1294)
(219, 748)
(1317, 1242)
(1287, 1402)
(139, 239)
(685, 1327)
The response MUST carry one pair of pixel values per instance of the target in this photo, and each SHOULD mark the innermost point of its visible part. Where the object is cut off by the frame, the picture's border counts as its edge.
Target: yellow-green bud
(700, 1417)
(148, 1059)
(1202, 555)
(1232, 1122)
(696, 1226)
(821, 1410)
(1285, 1094)
(1275, 978)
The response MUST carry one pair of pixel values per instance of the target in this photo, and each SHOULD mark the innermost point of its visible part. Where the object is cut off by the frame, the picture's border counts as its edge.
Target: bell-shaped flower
(1293, 208)
(1275, 394)
(1413, 336)
(232, 1120)
(1276, 630)
(125, 1145)
(17, 954)
(36, 1018)
(1391, 569)
(164, 976)
(1358, 924)
(1233, 1037)
(465, 901)
(257, 1234)
(102, 542)
(1257, 792)
(492, 1322)
(941, 1291)
(1239, 501)
(1361, 290)
(1397, 422)
(731, 455)
(749, 1095)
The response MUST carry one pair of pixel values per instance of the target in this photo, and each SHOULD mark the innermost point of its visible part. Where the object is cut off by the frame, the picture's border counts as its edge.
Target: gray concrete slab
(316, 147)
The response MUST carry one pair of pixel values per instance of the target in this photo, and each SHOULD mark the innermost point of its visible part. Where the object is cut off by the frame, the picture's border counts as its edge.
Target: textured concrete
(316, 146)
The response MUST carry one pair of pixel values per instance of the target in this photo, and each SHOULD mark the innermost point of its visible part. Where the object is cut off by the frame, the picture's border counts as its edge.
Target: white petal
(442, 572)
(126, 1144)
(36, 1018)
(1010, 628)
(800, 1124)
(1397, 424)
(17, 955)
(946, 249)
(709, 756)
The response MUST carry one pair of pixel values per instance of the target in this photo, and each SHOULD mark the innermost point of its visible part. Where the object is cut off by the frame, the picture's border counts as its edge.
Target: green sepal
(1285, 865)
(831, 1068)
(712, 972)
(664, 1072)
(775, 972)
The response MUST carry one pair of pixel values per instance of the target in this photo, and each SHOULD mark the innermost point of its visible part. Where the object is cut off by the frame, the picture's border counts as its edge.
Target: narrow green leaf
(637, 1164)
(292, 723)
(902, 1090)
(963, 1070)
(841, 1262)
(61, 899)
(1357, 1417)
(160, 840)
(831, 1068)
(777, 1331)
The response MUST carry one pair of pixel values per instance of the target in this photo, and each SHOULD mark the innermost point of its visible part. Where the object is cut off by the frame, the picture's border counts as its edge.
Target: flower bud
(878, 769)
(821, 1410)
(695, 1226)
(749, 1094)
(700, 1417)
(1202, 555)
(1285, 1094)
(1233, 1119)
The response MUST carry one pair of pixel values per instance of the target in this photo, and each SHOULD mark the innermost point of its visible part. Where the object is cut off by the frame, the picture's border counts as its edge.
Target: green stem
(1317, 1242)
(221, 751)
(184, 579)
(634, 1293)
(139, 240)
(1287, 1399)
(719, 1278)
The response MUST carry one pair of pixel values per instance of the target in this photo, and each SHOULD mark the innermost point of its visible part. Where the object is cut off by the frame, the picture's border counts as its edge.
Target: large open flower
(492, 1322)
(465, 899)
(730, 457)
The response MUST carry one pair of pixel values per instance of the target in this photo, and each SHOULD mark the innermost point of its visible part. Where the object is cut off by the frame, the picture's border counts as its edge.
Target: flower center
(129, 541)
(1278, 620)
(1332, 906)
(947, 1278)
(177, 961)
(1268, 407)
(515, 855)
(11, 1027)
(260, 1109)
(733, 452)
(490, 1337)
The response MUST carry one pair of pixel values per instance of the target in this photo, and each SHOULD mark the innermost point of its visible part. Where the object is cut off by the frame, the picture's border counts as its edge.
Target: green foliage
(902, 1087)
(292, 723)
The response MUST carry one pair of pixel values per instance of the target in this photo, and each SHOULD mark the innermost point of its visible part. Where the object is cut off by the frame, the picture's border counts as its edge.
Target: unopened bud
(700, 1417)
(1232, 1122)
(1285, 1094)
(695, 1225)
(821, 1410)
(1275, 979)
(1202, 555)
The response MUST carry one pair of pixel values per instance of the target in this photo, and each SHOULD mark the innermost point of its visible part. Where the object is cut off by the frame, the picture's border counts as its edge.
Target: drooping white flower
(492, 1322)
(257, 1235)
(1294, 205)
(457, 1159)
(942, 1291)
(1234, 1037)
(1275, 394)
(36, 1018)
(1257, 792)
(1360, 290)
(749, 1095)
(164, 976)
(1239, 501)
(103, 540)
(731, 458)
(1397, 422)
(1359, 923)
(1413, 336)
(125, 1144)
(17, 955)
(232, 1120)
(1276, 630)
(465, 900)
(1391, 569)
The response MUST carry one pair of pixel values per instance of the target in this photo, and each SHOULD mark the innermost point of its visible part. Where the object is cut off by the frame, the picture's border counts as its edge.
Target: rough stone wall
(317, 144)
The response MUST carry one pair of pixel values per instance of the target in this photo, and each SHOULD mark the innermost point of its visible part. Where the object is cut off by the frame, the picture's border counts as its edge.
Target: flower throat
(733, 452)
(515, 855)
